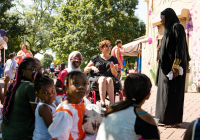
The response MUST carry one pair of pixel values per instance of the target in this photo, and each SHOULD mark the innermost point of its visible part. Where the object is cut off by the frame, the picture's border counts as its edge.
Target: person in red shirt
(74, 62)
(23, 53)
(117, 53)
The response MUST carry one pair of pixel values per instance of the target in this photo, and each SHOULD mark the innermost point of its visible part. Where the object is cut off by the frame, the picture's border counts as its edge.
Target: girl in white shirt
(46, 92)
(68, 119)
(126, 120)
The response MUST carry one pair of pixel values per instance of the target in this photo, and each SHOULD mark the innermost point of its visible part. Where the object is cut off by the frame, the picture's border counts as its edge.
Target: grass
(124, 76)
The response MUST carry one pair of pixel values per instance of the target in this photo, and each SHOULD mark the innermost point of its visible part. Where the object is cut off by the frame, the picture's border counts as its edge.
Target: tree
(46, 60)
(38, 18)
(10, 23)
(59, 57)
(81, 25)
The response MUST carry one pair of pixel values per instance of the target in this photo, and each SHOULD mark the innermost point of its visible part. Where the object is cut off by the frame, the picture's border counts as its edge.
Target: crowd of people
(36, 108)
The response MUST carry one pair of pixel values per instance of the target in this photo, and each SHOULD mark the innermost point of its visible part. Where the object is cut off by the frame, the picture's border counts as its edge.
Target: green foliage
(129, 60)
(81, 25)
(38, 19)
(153, 75)
(46, 60)
(59, 57)
(10, 23)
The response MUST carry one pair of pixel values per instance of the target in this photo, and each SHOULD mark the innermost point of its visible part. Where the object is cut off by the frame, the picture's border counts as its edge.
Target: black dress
(104, 70)
(170, 93)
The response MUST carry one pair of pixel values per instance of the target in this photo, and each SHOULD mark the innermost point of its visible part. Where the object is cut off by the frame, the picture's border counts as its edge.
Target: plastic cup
(156, 120)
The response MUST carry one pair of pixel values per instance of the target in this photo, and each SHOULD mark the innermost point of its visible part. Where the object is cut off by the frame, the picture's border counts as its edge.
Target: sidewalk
(191, 112)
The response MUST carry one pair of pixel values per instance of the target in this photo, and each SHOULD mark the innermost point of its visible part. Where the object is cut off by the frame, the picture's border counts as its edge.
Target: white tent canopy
(131, 49)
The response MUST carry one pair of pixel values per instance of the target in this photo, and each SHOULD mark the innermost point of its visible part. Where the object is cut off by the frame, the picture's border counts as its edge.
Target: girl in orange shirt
(68, 119)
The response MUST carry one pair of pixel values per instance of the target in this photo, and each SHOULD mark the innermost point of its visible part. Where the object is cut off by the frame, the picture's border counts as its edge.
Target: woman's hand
(95, 69)
(112, 66)
(28, 54)
(175, 72)
(113, 69)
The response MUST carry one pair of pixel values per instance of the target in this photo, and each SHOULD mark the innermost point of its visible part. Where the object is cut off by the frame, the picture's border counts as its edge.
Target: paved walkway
(191, 112)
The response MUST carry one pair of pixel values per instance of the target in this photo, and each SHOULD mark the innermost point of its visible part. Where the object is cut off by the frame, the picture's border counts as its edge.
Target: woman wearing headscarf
(74, 63)
(173, 53)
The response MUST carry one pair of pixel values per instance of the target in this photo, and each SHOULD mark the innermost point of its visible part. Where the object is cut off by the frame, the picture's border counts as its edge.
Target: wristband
(176, 63)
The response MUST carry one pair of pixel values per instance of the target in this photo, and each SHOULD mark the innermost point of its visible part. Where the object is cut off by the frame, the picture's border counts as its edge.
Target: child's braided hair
(9, 98)
(40, 80)
(71, 75)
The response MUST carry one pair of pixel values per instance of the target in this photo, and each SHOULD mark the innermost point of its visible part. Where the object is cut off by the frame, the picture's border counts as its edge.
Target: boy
(10, 67)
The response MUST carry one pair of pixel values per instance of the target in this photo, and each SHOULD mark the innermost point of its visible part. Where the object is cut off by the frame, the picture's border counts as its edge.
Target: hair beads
(65, 82)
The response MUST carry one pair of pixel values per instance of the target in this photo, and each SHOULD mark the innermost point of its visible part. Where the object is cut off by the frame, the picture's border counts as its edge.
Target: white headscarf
(70, 67)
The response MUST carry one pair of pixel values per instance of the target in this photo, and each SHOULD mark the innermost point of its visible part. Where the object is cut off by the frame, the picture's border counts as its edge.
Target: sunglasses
(33, 69)
(108, 46)
(76, 58)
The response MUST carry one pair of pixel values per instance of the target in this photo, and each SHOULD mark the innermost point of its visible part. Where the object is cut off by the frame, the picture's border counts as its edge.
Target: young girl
(68, 119)
(46, 92)
(74, 63)
(126, 120)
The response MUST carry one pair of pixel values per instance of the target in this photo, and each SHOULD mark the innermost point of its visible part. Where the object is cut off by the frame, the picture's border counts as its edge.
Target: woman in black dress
(173, 53)
(105, 69)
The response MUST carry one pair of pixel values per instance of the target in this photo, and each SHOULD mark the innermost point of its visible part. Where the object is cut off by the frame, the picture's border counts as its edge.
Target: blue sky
(140, 12)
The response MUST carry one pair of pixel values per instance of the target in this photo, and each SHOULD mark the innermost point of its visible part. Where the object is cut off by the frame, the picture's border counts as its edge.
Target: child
(46, 92)
(68, 119)
(74, 63)
(126, 120)
(10, 67)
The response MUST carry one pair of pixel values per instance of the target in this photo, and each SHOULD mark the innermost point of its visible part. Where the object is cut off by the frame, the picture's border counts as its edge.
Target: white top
(52, 66)
(67, 122)
(41, 131)
(10, 65)
(118, 126)
(126, 125)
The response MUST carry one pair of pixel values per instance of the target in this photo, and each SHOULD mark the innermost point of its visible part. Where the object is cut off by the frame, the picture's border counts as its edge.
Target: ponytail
(134, 90)
(118, 107)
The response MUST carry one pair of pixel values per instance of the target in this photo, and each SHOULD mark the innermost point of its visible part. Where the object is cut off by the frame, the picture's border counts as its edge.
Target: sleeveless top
(52, 66)
(126, 125)
(22, 57)
(41, 130)
(120, 55)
